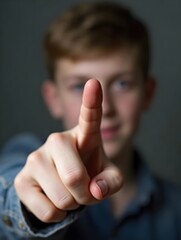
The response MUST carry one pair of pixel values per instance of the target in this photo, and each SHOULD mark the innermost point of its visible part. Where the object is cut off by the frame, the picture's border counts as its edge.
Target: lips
(109, 133)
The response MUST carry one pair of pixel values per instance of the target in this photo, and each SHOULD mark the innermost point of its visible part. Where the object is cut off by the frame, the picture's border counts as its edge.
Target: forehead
(121, 61)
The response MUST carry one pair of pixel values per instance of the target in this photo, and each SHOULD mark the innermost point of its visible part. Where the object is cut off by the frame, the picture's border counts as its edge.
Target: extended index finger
(91, 109)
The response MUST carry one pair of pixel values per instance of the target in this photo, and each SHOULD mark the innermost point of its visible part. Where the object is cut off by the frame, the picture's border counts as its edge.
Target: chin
(115, 150)
(112, 151)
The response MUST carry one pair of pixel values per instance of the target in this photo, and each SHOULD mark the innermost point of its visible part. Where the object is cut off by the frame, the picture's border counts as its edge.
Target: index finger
(91, 111)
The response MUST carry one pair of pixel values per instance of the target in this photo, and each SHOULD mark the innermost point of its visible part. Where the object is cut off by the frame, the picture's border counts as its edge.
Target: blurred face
(124, 96)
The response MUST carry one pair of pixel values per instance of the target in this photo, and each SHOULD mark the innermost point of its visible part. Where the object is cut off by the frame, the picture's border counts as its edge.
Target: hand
(70, 168)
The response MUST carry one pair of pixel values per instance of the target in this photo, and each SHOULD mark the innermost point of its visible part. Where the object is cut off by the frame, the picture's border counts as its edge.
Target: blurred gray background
(22, 25)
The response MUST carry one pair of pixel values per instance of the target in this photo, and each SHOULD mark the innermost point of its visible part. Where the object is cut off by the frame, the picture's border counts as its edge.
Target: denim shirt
(154, 213)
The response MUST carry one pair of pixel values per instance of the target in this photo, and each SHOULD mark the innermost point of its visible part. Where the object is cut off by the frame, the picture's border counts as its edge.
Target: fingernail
(102, 184)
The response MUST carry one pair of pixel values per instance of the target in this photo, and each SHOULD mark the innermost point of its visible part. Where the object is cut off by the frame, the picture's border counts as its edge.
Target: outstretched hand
(70, 168)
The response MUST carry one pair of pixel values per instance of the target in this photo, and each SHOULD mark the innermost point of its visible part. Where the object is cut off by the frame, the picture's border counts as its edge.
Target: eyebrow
(123, 74)
(84, 78)
(81, 78)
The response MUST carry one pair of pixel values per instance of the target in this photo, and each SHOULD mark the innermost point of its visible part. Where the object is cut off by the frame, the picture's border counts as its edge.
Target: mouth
(108, 133)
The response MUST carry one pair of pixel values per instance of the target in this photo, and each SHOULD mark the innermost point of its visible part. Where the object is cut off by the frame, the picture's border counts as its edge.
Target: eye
(122, 84)
(79, 87)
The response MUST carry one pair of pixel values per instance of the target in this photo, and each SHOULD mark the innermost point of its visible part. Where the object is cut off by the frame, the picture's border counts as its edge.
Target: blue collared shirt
(154, 213)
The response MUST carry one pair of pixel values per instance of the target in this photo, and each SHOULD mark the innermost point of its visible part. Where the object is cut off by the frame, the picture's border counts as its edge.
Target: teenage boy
(71, 186)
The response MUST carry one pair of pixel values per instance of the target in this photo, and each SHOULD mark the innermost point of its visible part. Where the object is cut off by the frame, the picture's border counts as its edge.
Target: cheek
(71, 114)
(131, 108)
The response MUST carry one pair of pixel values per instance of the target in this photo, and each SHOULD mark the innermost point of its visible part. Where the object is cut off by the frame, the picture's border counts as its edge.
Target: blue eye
(78, 87)
(122, 84)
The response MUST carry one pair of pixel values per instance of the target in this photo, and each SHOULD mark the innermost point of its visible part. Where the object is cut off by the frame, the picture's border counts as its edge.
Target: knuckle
(48, 215)
(19, 182)
(85, 200)
(73, 178)
(34, 158)
(91, 114)
(55, 137)
(64, 202)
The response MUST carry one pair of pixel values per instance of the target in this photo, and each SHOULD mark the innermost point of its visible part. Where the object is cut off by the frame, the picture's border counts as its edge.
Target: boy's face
(125, 95)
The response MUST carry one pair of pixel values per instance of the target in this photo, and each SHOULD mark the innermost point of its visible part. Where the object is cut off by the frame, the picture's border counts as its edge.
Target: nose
(107, 103)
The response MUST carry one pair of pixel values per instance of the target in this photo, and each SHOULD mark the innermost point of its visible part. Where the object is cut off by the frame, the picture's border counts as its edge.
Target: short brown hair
(94, 29)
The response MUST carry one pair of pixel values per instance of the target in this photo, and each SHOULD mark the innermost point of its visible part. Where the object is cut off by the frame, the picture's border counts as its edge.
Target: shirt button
(7, 221)
(21, 225)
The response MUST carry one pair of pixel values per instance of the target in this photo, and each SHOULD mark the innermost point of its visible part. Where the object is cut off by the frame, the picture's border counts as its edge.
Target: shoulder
(171, 193)
(14, 154)
(24, 142)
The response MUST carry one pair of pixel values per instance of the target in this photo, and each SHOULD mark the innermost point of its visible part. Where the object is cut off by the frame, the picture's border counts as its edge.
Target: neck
(125, 163)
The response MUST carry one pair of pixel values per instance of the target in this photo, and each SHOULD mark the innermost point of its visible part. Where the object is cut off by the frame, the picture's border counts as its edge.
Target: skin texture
(84, 164)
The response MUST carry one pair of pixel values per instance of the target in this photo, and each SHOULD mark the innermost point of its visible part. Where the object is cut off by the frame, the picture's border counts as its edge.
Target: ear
(150, 88)
(51, 98)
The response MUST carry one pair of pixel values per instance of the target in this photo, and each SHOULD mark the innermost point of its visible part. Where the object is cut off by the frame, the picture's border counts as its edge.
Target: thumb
(107, 182)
